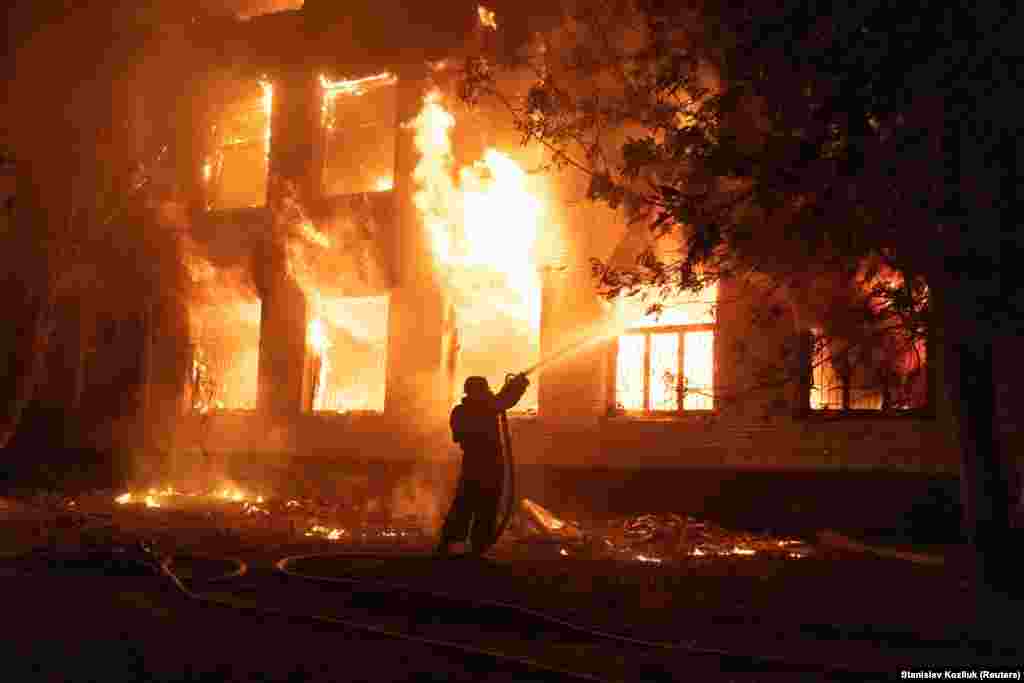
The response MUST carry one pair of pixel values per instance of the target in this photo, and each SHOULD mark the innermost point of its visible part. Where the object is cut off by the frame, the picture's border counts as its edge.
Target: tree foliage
(857, 156)
(818, 145)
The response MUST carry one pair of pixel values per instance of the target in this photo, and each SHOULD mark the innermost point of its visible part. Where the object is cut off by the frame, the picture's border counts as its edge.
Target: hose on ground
(168, 573)
(283, 566)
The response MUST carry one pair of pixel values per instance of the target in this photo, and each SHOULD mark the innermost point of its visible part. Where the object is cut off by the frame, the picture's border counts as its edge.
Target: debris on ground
(649, 538)
(534, 530)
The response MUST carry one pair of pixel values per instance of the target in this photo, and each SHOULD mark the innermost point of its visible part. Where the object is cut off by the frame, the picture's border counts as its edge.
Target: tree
(802, 141)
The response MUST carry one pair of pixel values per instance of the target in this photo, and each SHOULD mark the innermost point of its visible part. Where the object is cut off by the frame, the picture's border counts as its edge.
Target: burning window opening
(347, 345)
(235, 170)
(880, 362)
(665, 363)
(887, 376)
(225, 355)
(357, 118)
(483, 224)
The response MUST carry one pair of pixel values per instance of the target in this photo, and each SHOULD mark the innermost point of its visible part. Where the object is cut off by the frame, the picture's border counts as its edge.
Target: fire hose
(142, 555)
(506, 501)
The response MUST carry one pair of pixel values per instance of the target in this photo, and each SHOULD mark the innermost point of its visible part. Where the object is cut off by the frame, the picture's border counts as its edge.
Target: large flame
(482, 224)
(436, 196)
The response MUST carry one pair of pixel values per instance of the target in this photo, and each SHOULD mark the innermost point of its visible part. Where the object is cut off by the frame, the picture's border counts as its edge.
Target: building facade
(304, 184)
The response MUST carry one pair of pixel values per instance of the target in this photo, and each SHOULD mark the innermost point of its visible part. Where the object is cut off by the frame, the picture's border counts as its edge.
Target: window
(346, 355)
(888, 375)
(359, 134)
(235, 172)
(878, 361)
(666, 364)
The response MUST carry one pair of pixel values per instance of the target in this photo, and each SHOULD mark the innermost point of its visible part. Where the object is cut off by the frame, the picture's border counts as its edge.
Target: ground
(835, 610)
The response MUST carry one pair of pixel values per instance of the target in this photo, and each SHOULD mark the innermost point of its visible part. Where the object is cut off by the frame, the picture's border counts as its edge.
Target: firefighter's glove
(519, 382)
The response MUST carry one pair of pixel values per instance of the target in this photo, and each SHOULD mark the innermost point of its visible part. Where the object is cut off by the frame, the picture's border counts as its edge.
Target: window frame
(680, 330)
(924, 411)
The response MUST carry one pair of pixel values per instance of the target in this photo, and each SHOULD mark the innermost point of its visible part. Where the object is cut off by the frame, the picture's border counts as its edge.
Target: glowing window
(347, 347)
(688, 308)
(235, 172)
(889, 374)
(647, 370)
(698, 370)
(359, 118)
(665, 363)
(629, 375)
(226, 335)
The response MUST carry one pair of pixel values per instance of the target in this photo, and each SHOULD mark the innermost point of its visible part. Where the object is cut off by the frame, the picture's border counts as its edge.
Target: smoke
(422, 497)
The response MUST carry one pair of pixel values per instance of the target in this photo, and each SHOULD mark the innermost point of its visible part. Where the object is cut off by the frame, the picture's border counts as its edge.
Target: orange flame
(487, 18)
(347, 86)
(489, 220)
(318, 341)
(268, 108)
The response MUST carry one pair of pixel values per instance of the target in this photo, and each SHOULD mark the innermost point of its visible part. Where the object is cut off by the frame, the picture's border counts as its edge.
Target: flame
(436, 195)
(330, 533)
(318, 341)
(316, 336)
(348, 86)
(740, 550)
(268, 107)
(697, 552)
(491, 218)
(482, 224)
(384, 183)
(648, 559)
(310, 232)
(487, 18)
(355, 86)
(155, 498)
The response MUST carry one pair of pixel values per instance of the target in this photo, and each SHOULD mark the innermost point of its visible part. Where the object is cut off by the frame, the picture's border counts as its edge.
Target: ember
(487, 18)
(652, 539)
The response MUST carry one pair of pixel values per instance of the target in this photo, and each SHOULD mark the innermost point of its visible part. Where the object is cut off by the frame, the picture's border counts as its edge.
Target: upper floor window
(665, 363)
(359, 120)
(235, 170)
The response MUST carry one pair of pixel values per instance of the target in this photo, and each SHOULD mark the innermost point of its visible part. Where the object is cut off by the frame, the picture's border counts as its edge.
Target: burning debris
(307, 518)
(651, 539)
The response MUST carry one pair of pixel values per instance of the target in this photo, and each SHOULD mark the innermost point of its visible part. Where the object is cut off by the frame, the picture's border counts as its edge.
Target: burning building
(360, 242)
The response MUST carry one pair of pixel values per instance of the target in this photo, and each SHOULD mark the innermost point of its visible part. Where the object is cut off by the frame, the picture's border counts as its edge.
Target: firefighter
(474, 423)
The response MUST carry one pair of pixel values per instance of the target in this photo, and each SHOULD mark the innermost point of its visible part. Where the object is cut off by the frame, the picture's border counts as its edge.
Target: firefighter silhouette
(474, 424)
